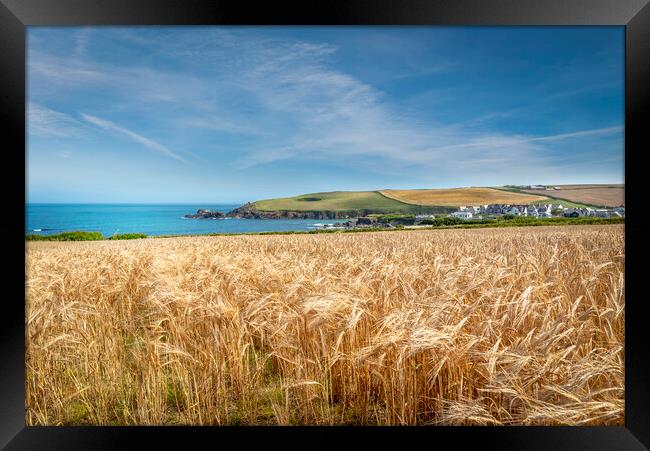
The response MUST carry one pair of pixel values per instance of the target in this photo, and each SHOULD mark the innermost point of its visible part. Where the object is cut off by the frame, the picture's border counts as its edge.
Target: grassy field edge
(487, 223)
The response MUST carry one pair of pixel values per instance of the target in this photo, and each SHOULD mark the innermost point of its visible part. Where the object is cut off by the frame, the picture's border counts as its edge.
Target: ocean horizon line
(136, 203)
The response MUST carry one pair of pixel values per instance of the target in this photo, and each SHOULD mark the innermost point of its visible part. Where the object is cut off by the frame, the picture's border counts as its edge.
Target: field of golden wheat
(603, 195)
(481, 327)
(462, 196)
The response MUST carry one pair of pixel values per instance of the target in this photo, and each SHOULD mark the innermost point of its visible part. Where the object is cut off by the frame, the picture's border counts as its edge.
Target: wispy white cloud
(542, 102)
(220, 124)
(147, 142)
(580, 134)
(64, 72)
(339, 117)
(291, 103)
(518, 140)
(419, 71)
(81, 41)
(43, 121)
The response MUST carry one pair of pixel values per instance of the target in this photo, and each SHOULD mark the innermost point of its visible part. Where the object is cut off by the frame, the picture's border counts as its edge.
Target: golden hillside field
(460, 196)
(483, 327)
(600, 195)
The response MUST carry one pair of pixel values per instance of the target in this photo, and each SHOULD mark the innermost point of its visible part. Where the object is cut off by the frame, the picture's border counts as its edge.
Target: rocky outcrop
(206, 214)
(248, 211)
(364, 220)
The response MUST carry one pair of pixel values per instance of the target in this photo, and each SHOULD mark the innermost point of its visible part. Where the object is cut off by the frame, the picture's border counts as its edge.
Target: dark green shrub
(128, 236)
(67, 236)
(396, 219)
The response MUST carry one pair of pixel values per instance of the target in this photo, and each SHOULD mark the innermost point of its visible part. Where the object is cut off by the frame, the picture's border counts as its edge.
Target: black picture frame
(16, 15)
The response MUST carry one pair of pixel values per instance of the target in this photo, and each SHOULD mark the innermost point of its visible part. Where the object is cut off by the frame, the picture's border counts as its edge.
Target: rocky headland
(206, 214)
(357, 219)
(248, 211)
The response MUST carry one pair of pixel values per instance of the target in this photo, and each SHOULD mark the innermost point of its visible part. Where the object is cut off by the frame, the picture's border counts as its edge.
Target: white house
(570, 212)
(538, 212)
(602, 213)
(473, 209)
(462, 214)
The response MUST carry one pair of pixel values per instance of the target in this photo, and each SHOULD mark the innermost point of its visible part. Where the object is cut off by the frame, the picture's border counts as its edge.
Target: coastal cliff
(206, 214)
(248, 211)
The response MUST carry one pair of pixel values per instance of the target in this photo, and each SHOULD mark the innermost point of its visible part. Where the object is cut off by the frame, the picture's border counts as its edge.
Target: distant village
(546, 188)
(537, 211)
(479, 212)
(488, 211)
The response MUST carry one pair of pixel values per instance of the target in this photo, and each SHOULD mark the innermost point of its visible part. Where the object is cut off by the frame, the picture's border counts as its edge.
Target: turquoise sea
(149, 219)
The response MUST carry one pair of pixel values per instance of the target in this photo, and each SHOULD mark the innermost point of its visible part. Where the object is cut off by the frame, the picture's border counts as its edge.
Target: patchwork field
(599, 195)
(332, 201)
(482, 327)
(461, 196)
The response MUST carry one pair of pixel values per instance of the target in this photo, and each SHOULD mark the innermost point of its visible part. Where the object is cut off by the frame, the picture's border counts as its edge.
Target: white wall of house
(462, 214)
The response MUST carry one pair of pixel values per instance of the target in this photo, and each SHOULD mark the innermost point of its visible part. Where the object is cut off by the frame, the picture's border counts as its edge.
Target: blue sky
(233, 114)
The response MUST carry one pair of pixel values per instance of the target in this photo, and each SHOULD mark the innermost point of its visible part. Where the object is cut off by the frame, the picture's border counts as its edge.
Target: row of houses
(548, 188)
(597, 212)
(509, 209)
(537, 211)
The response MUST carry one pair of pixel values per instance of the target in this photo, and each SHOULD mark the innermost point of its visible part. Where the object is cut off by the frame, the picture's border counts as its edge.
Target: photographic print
(325, 225)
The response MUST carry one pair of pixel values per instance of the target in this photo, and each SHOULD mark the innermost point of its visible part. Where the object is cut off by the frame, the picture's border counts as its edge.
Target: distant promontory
(206, 214)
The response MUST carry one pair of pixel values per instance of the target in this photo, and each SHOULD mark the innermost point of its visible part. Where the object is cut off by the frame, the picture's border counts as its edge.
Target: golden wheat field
(605, 195)
(461, 196)
(483, 327)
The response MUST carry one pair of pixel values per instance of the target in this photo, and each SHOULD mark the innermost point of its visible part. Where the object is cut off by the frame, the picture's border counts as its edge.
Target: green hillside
(340, 201)
(367, 202)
